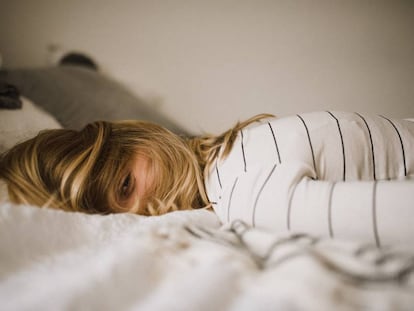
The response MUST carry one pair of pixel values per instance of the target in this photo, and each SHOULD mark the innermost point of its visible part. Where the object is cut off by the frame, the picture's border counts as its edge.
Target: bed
(184, 260)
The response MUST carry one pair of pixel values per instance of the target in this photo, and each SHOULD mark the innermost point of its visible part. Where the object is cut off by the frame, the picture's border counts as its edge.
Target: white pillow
(21, 124)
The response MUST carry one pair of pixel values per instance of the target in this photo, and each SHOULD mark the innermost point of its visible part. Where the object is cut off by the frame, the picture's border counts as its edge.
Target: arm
(284, 198)
(377, 212)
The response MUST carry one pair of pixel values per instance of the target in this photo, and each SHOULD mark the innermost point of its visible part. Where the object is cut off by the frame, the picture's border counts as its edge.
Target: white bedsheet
(53, 260)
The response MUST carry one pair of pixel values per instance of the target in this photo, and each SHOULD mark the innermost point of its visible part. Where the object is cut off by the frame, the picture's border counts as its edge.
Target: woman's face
(137, 184)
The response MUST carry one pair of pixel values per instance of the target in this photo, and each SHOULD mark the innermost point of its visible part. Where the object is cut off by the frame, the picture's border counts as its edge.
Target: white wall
(208, 63)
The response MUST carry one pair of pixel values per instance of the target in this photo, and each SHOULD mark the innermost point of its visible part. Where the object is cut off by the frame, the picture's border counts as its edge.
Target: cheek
(144, 176)
(143, 186)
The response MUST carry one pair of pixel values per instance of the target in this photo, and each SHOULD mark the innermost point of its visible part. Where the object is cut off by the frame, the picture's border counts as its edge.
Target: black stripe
(372, 145)
(231, 195)
(342, 143)
(258, 195)
(310, 144)
(274, 139)
(218, 177)
(401, 142)
(374, 215)
(290, 207)
(242, 147)
(331, 234)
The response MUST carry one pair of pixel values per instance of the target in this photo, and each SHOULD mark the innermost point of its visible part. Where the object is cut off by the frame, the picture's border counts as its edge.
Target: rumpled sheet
(185, 260)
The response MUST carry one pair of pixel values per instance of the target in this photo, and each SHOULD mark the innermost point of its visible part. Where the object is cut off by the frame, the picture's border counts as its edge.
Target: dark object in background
(78, 59)
(76, 96)
(9, 97)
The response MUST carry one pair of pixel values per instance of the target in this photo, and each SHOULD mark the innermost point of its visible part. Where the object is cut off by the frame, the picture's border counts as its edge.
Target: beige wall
(208, 63)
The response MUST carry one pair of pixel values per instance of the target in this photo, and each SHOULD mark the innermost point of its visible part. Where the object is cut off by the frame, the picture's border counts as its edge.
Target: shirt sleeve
(374, 212)
(285, 198)
(329, 174)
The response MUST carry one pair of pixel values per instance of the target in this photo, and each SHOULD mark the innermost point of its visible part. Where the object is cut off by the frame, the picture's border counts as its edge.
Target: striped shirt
(336, 174)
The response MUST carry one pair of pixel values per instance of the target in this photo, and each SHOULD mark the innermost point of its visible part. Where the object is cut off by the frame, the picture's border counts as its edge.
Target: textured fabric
(55, 260)
(333, 174)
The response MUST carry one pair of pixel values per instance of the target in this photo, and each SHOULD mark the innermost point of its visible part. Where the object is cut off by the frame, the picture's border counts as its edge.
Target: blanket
(185, 260)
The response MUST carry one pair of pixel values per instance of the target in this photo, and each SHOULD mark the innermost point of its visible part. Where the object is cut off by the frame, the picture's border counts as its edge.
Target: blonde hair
(208, 147)
(83, 170)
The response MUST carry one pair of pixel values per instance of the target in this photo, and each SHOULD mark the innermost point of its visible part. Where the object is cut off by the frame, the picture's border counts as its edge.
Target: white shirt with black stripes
(336, 174)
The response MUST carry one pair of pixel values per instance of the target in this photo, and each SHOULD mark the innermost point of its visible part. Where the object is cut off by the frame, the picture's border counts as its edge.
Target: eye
(126, 186)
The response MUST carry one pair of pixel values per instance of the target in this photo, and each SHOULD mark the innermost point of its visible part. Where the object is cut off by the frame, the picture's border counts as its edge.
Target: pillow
(76, 96)
(21, 124)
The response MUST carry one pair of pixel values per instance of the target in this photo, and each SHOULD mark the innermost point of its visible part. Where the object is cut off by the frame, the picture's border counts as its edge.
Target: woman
(315, 172)
(110, 167)
(107, 167)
